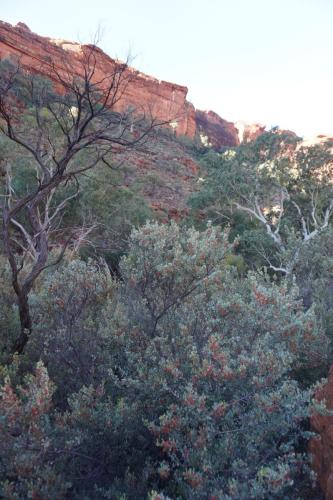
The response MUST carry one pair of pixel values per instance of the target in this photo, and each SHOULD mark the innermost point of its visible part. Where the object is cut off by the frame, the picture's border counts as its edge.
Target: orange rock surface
(249, 131)
(215, 130)
(165, 101)
(321, 446)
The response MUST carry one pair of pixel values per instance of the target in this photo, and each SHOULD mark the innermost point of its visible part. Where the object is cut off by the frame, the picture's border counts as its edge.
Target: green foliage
(180, 378)
(283, 190)
(66, 310)
(236, 261)
(9, 324)
(226, 381)
(314, 275)
(187, 372)
(111, 209)
(27, 469)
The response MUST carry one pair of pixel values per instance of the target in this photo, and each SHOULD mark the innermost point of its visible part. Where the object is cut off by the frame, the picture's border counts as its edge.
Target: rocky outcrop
(317, 140)
(248, 132)
(321, 446)
(218, 132)
(215, 131)
(165, 101)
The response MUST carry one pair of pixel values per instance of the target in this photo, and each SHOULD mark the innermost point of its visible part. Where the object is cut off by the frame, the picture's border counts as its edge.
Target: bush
(66, 312)
(188, 388)
(207, 360)
(28, 458)
(9, 320)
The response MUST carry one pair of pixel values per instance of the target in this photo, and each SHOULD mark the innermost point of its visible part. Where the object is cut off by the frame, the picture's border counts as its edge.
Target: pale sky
(267, 61)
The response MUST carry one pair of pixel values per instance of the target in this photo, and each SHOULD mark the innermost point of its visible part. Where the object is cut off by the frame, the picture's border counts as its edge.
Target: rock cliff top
(165, 100)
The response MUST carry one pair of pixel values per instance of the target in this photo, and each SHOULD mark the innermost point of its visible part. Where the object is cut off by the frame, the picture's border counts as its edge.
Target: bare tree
(64, 129)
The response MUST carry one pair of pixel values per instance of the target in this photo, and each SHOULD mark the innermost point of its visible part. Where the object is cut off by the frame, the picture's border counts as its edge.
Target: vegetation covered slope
(163, 359)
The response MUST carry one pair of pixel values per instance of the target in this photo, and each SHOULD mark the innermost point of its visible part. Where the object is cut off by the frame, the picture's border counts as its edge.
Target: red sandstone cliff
(248, 132)
(219, 132)
(321, 446)
(216, 131)
(165, 101)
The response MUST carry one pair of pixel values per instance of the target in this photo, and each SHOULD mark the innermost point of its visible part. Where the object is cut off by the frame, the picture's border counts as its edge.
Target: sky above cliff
(267, 61)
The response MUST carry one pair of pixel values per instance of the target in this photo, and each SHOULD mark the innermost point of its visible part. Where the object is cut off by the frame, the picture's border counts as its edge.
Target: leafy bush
(28, 458)
(66, 311)
(9, 322)
(220, 360)
(188, 388)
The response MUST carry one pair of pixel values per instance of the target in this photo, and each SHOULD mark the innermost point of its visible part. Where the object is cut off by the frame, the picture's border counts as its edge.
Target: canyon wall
(321, 446)
(216, 131)
(165, 101)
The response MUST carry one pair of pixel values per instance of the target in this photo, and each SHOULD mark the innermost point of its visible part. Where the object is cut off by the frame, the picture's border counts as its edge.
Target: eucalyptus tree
(283, 186)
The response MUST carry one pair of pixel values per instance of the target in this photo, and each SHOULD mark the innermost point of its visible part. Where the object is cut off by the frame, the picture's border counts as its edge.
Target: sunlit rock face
(163, 100)
(248, 132)
(321, 446)
(215, 131)
(318, 139)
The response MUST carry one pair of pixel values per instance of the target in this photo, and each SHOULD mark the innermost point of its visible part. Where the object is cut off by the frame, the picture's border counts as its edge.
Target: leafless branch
(80, 115)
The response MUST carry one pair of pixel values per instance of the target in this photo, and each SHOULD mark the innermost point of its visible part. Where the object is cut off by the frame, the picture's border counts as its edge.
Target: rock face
(248, 132)
(216, 131)
(321, 446)
(165, 101)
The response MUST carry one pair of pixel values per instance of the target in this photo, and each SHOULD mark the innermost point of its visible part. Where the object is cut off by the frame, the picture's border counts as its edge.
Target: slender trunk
(26, 323)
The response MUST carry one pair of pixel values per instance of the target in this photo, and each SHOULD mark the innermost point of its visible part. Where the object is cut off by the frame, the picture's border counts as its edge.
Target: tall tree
(63, 126)
(279, 183)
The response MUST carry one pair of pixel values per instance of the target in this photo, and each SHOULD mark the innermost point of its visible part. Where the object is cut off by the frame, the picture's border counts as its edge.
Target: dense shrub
(67, 311)
(28, 457)
(188, 388)
(220, 360)
(9, 323)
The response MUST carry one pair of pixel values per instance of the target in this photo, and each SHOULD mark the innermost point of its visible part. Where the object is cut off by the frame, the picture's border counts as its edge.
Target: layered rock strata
(165, 101)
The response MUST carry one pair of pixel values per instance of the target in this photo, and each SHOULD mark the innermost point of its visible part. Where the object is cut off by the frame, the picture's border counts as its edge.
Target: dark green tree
(282, 186)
